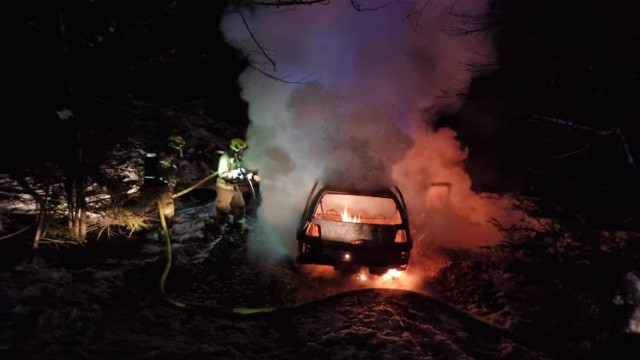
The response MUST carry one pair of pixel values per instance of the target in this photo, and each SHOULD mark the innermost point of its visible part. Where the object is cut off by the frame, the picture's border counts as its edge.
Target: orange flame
(392, 274)
(349, 218)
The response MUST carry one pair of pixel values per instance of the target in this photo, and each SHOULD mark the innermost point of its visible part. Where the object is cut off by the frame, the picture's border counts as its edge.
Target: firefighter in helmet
(229, 197)
(167, 170)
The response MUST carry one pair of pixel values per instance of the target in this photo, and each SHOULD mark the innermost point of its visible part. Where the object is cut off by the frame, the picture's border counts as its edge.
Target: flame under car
(352, 229)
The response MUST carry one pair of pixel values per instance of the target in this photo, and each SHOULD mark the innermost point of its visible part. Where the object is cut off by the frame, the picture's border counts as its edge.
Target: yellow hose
(195, 185)
(167, 267)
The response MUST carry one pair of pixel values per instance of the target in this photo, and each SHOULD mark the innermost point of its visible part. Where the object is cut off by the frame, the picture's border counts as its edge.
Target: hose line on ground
(167, 267)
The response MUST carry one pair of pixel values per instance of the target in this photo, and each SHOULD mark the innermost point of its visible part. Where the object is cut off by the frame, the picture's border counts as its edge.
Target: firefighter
(167, 170)
(229, 198)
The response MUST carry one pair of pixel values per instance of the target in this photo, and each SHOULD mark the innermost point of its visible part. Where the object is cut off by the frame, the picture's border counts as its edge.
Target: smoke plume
(347, 97)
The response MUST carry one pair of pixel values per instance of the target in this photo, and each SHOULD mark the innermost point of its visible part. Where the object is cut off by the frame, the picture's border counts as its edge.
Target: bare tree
(238, 7)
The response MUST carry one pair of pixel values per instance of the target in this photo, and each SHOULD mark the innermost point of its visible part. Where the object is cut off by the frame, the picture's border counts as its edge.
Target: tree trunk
(41, 218)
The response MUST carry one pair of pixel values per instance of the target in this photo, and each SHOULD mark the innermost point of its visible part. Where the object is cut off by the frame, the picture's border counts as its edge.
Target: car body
(352, 229)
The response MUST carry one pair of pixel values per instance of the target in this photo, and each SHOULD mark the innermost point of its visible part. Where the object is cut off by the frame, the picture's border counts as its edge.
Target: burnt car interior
(357, 209)
(352, 229)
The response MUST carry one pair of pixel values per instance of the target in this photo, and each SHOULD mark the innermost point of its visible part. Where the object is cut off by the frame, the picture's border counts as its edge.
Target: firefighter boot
(239, 220)
(222, 218)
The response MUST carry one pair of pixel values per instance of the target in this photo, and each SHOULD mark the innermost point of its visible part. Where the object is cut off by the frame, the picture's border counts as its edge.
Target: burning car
(351, 229)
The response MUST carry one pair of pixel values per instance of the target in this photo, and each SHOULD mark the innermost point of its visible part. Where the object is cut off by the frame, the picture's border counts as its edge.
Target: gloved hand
(236, 174)
(253, 176)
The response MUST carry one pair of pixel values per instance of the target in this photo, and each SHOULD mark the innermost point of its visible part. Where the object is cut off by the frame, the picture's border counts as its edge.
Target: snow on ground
(104, 302)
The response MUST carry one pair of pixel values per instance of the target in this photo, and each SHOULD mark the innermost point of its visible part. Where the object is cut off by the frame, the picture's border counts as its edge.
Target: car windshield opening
(358, 209)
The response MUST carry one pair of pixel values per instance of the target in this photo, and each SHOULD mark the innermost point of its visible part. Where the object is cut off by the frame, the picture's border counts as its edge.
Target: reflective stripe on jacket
(227, 167)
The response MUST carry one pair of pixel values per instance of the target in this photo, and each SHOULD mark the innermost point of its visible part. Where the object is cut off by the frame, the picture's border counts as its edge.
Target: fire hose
(252, 190)
(167, 238)
(167, 268)
(195, 185)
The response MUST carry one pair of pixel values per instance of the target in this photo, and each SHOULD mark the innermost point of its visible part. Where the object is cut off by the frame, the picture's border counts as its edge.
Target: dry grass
(119, 221)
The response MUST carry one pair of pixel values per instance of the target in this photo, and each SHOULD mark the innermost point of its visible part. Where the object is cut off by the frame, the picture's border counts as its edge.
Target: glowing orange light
(349, 218)
(392, 274)
(401, 236)
(313, 230)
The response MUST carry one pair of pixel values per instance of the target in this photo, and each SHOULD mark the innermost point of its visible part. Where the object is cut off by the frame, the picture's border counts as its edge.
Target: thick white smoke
(355, 98)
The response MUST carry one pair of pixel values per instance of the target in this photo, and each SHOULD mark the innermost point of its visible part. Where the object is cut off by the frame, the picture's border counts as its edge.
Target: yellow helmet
(237, 145)
(176, 142)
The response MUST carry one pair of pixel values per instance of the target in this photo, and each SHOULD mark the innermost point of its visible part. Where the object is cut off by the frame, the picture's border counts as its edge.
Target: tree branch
(239, 4)
(281, 3)
(302, 81)
(264, 53)
(613, 131)
(17, 232)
